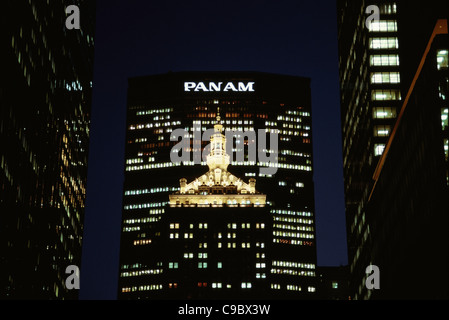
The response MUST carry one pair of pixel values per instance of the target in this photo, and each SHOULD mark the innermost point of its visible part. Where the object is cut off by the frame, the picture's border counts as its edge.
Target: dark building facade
(378, 64)
(45, 97)
(160, 104)
(333, 283)
(408, 210)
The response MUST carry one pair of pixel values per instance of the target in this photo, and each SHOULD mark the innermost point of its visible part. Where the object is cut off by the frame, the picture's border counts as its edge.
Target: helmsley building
(219, 226)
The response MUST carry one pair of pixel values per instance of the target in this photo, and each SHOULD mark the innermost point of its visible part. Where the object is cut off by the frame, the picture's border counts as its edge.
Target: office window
(390, 8)
(385, 77)
(172, 285)
(385, 94)
(246, 285)
(384, 43)
(384, 60)
(382, 130)
(384, 112)
(383, 26)
(378, 149)
(216, 285)
(444, 118)
(174, 235)
(219, 265)
(442, 59)
(446, 149)
(334, 285)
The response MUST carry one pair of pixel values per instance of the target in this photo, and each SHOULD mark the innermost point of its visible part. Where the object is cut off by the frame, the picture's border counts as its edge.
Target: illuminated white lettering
(231, 86)
(201, 86)
(214, 87)
(217, 86)
(189, 85)
(248, 87)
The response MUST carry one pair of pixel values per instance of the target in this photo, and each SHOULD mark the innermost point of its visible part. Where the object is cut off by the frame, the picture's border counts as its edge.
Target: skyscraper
(379, 60)
(248, 101)
(44, 129)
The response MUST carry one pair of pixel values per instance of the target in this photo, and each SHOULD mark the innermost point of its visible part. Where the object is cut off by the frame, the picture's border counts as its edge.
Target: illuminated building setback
(394, 84)
(228, 237)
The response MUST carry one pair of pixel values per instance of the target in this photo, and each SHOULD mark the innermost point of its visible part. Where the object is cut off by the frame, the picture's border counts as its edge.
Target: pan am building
(219, 238)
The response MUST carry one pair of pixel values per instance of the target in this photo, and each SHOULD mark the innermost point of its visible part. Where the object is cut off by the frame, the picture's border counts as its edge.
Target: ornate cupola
(218, 187)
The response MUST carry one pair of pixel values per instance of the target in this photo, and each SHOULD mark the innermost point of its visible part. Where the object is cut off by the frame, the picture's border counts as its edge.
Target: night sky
(142, 37)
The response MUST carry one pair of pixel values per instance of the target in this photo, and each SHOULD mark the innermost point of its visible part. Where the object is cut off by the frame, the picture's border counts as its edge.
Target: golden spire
(218, 115)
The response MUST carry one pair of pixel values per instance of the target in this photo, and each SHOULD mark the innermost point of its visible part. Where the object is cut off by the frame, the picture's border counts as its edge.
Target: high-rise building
(379, 59)
(270, 227)
(45, 95)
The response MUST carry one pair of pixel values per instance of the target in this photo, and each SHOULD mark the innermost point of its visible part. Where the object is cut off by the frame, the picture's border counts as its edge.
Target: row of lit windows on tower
(234, 226)
(214, 285)
(236, 163)
(379, 58)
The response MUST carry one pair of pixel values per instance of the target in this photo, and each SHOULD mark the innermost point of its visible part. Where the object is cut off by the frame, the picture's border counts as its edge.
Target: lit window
(390, 8)
(385, 77)
(379, 149)
(217, 285)
(383, 26)
(444, 118)
(446, 149)
(246, 285)
(385, 94)
(172, 285)
(382, 131)
(334, 285)
(384, 113)
(384, 43)
(384, 60)
(442, 59)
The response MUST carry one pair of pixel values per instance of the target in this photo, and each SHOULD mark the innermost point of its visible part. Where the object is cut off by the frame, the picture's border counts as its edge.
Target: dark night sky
(141, 37)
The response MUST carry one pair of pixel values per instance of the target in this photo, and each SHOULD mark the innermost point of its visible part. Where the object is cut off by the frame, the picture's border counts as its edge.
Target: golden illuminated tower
(217, 187)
